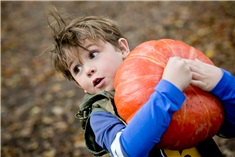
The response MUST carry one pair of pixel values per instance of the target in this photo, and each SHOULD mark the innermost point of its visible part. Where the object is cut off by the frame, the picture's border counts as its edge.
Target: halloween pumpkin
(200, 116)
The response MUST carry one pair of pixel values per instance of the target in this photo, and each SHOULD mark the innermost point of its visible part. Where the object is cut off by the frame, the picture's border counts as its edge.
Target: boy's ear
(124, 46)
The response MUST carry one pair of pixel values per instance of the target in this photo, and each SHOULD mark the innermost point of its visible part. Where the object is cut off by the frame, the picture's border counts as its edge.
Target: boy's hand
(177, 72)
(205, 76)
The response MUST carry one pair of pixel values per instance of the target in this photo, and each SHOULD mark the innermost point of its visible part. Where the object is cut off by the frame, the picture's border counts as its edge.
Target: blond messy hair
(70, 33)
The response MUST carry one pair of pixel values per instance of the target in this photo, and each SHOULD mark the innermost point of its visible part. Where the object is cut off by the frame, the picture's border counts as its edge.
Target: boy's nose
(90, 71)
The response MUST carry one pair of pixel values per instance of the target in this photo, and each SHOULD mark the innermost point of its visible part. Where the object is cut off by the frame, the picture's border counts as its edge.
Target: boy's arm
(146, 127)
(225, 91)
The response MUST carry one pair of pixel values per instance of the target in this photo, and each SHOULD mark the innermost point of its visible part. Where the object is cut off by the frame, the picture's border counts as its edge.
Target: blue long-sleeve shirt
(165, 99)
(147, 126)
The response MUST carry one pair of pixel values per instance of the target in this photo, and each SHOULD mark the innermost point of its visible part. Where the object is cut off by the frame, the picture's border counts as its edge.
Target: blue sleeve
(225, 91)
(146, 127)
(105, 127)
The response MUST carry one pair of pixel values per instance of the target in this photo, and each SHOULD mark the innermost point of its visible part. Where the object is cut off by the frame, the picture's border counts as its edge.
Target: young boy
(89, 51)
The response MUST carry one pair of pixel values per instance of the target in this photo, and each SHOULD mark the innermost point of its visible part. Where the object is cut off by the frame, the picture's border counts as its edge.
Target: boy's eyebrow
(70, 63)
(89, 45)
(86, 48)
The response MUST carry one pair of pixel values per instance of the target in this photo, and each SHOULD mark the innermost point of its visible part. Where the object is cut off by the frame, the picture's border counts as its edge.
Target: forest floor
(38, 105)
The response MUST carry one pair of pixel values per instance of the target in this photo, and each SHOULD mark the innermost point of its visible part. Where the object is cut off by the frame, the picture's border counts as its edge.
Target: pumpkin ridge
(153, 50)
(174, 45)
(132, 79)
(146, 58)
(193, 55)
(206, 112)
(169, 44)
(185, 112)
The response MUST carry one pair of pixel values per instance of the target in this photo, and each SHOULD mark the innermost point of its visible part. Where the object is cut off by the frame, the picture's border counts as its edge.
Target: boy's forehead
(75, 52)
(89, 42)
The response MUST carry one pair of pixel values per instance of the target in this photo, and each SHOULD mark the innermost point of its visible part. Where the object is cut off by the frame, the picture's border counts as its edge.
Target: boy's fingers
(195, 65)
(191, 62)
(196, 75)
(198, 83)
(188, 60)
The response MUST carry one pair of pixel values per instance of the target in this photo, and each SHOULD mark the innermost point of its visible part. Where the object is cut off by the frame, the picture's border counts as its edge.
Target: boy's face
(96, 69)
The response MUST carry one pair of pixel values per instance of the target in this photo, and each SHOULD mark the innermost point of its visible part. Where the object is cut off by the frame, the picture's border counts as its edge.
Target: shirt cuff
(176, 95)
(224, 87)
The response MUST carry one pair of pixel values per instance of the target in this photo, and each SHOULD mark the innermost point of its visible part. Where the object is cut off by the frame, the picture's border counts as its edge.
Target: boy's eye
(93, 54)
(77, 69)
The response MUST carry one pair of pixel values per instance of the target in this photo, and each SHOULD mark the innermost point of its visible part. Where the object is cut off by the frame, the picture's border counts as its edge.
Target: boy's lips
(98, 82)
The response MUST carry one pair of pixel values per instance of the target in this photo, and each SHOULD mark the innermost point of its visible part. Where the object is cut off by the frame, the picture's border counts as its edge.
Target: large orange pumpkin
(200, 116)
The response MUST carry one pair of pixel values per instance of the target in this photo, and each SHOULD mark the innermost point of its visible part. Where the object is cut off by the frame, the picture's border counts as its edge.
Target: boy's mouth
(97, 81)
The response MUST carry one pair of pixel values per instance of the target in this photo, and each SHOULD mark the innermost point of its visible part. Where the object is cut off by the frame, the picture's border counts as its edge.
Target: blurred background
(38, 105)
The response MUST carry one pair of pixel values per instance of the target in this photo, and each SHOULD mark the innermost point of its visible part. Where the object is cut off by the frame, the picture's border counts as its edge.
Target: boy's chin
(106, 89)
(97, 91)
